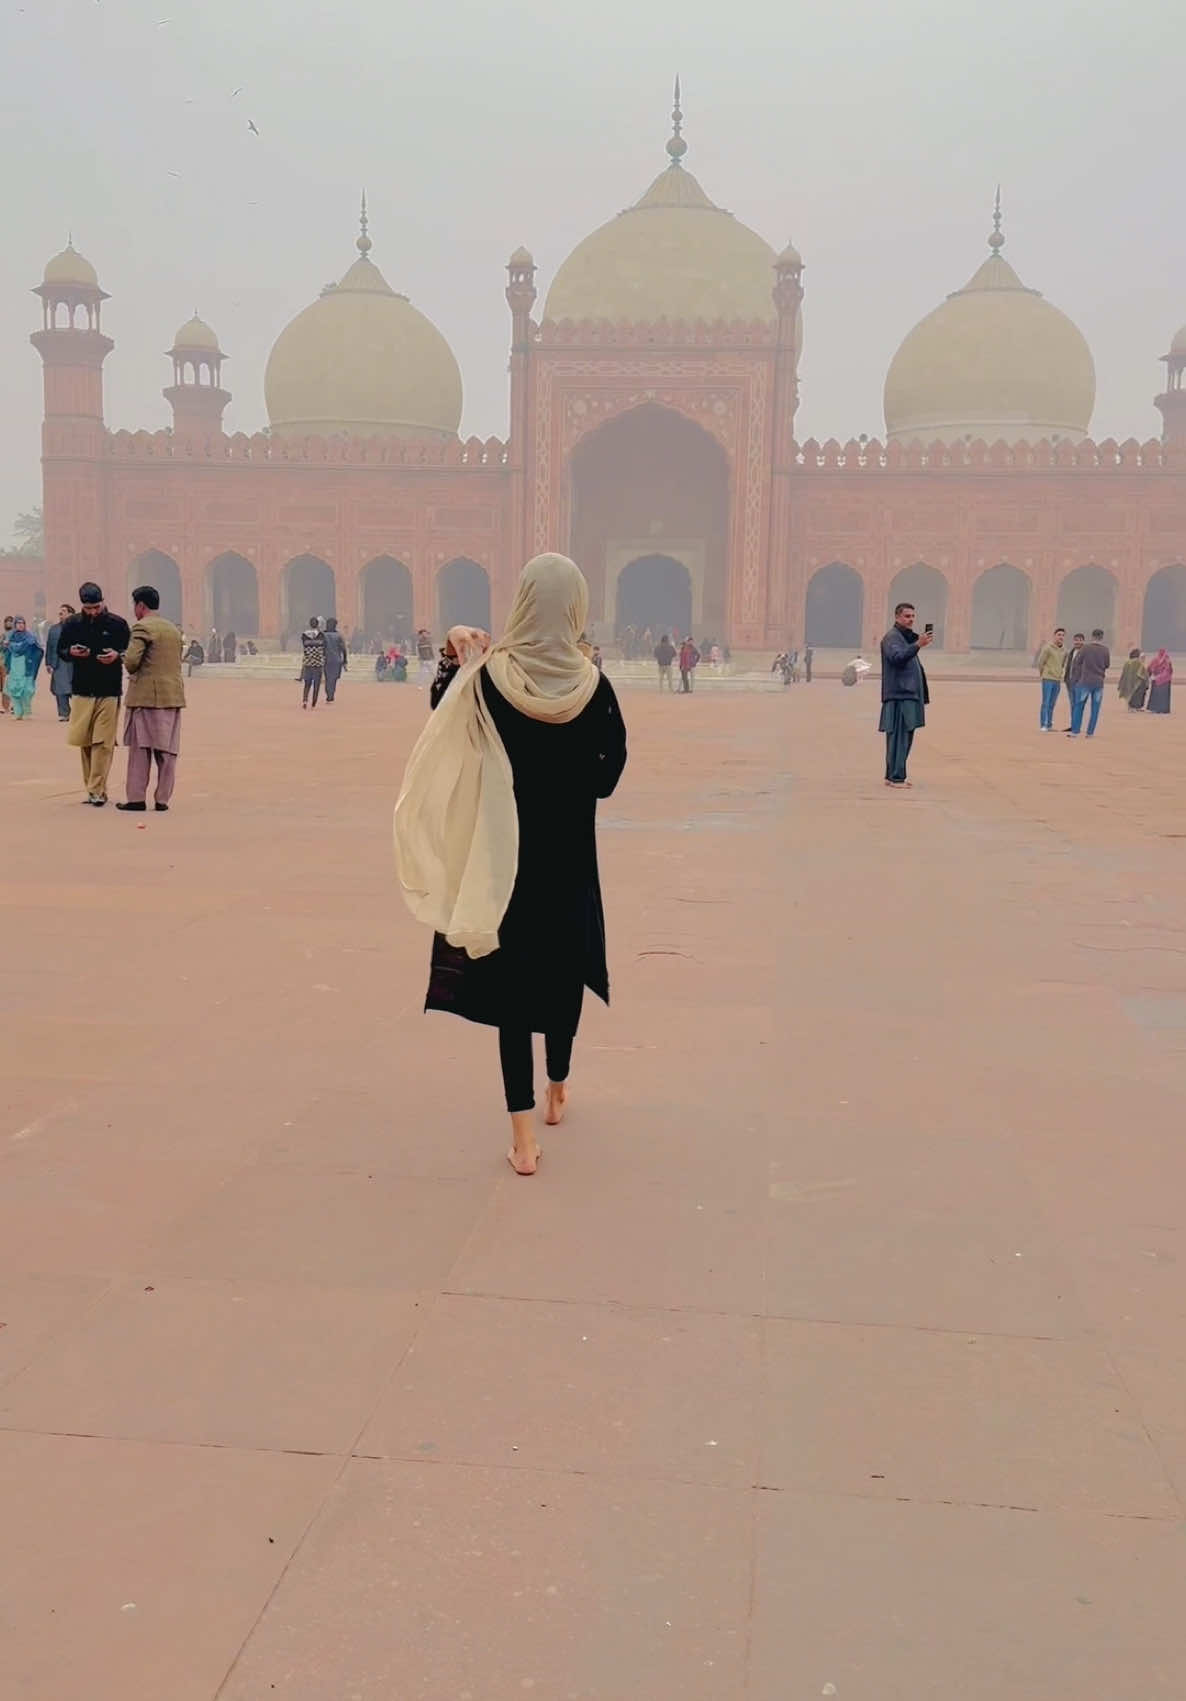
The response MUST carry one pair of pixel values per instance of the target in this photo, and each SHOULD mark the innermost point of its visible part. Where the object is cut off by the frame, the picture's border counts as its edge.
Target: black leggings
(312, 679)
(516, 1054)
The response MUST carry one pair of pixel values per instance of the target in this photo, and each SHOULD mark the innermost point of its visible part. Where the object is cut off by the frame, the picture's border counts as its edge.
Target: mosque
(652, 437)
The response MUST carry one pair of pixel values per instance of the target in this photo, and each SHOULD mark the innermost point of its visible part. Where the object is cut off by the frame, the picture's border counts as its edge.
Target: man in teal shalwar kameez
(904, 693)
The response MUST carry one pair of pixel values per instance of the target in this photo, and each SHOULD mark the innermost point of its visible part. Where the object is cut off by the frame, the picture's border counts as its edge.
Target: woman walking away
(22, 658)
(495, 834)
(336, 660)
(312, 661)
(1134, 681)
(1161, 675)
(60, 668)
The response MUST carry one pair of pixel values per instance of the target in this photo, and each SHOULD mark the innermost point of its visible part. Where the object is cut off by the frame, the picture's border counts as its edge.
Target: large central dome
(362, 361)
(672, 255)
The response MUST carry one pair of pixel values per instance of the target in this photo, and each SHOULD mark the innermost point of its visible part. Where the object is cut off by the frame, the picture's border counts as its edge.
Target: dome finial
(364, 242)
(676, 146)
(997, 240)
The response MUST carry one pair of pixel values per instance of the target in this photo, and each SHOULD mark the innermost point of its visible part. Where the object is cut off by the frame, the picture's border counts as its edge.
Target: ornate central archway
(651, 484)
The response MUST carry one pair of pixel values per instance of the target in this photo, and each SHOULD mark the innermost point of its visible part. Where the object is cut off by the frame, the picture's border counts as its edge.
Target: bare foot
(524, 1154)
(557, 1103)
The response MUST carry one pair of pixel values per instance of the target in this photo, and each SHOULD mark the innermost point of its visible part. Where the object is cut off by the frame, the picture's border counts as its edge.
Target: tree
(29, 531)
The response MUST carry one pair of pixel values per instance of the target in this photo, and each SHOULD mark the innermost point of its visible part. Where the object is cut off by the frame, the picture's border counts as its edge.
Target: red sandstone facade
(628, 443)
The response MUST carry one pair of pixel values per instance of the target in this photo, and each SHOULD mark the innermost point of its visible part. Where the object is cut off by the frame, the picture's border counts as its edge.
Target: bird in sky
(251, 126)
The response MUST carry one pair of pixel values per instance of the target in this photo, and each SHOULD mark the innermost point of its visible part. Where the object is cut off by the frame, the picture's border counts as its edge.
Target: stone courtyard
(836, 1349)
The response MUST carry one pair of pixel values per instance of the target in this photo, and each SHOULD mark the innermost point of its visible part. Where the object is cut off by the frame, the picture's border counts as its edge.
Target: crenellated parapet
(872, 456)
(264, 449)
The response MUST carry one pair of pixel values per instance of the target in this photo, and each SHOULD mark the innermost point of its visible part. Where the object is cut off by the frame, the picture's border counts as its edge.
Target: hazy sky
(871, 132)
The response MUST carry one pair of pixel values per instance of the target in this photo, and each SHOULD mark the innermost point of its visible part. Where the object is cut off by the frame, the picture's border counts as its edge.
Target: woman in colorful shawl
(22, 658)
(1134, 680)
(1161, 674)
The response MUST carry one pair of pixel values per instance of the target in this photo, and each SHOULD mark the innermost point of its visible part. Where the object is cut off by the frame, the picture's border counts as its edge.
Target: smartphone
(929, 628)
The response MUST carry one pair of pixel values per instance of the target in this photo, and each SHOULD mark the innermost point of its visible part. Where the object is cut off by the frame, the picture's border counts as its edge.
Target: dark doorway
(1086, 599)
(1163, 623)
(1001, 609)
(926, 588)
(309, 588)
(160, 570)
(387, 599)
(655, 592)
(463, 595)
(835, 607)
(234, 596)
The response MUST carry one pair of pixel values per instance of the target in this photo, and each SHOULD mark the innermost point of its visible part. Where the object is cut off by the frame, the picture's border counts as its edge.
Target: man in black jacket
(95, 641)
(904, 693)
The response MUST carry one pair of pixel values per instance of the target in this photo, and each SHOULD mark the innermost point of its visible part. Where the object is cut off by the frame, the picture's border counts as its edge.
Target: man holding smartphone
(904, 693)
(95, 641)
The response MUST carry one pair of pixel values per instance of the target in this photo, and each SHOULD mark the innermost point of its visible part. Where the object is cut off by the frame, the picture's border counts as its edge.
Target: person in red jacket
(689, 656)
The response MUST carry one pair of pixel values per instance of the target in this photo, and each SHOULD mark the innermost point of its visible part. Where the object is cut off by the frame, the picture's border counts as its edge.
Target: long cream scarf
(456, 827)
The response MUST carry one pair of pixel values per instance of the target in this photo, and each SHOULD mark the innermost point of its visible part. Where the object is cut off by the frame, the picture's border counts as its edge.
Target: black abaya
(552, 938)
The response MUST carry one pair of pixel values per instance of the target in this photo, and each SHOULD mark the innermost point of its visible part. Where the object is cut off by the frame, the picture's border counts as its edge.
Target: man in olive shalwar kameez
(904, 693)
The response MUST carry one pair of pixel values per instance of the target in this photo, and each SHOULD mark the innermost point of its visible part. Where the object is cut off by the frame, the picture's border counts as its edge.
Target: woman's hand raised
(465, 642)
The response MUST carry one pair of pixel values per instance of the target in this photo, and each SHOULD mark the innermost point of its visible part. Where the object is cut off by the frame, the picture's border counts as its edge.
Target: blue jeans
(1079, 697)
(1049, 699)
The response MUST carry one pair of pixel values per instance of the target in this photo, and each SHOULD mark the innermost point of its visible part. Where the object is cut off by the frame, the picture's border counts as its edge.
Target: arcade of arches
(678, 589)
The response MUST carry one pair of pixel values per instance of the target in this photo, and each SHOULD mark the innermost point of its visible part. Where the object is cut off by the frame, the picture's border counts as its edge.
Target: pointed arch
(835, 613)
(232, 592)
(309, 588)
(463, 595)
(655, 593)
(926, 588)
(1001, 609)
(652, 480)
(1087, 599)
(154, 567)
(1163, 616)
(387, 598)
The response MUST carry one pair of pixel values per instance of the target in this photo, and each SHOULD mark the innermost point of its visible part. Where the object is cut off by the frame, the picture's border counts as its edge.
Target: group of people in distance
(1147, 683)
(87, 654)
(786, 663)
(324, 659)
(1083, 670)
(667, 656)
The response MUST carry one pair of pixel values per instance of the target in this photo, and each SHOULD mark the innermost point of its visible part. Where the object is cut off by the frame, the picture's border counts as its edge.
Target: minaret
(72, 349)
(1171, 404)
(520, 294)
(71, 342)
(781, 565)
(196, 394)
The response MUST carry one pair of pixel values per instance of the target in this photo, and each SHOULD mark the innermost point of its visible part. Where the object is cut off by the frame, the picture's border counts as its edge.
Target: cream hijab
(456, 827)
